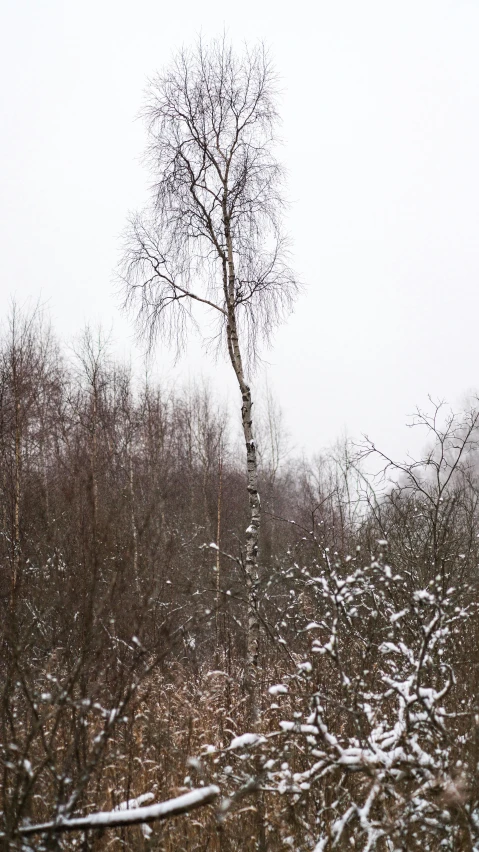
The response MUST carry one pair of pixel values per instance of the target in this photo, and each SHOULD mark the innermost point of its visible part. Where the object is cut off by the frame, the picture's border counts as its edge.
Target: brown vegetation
(123, 647)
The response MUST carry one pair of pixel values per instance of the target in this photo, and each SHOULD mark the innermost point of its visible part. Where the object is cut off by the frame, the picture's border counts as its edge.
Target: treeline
(119, 486)
(124, 619)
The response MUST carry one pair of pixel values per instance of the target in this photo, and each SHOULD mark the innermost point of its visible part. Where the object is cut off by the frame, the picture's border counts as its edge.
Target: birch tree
(211, 236)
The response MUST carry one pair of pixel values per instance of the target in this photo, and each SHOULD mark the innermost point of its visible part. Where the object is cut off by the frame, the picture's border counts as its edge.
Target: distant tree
(429, 505)
(211, 234)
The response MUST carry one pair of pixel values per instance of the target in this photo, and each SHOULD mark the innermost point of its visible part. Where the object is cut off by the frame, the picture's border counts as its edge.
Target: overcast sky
(381, 141)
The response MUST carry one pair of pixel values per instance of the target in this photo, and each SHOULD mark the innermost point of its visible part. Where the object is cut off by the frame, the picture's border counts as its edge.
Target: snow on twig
(131, 816)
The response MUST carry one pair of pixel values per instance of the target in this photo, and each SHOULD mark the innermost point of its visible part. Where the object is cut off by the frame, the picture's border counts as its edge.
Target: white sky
(381, 130)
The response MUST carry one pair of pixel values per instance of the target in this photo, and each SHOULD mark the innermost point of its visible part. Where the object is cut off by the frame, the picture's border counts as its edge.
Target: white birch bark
(253, 529)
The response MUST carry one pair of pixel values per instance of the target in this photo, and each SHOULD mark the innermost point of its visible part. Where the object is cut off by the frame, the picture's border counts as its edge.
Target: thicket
(123, 613)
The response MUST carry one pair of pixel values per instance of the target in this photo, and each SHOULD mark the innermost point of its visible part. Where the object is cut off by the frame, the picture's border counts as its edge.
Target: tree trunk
(218, 560)
(252, 531)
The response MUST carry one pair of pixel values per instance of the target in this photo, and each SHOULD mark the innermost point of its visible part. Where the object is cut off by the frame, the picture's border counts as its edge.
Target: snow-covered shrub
(375, 746)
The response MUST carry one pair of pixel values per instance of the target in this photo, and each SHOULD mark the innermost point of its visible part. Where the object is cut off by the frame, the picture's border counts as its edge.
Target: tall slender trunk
(134, 531)
(218, 561)
(252, 531)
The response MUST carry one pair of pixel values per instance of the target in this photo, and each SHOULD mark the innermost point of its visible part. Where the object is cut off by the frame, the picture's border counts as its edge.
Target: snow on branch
(372, 750)
(131, 816)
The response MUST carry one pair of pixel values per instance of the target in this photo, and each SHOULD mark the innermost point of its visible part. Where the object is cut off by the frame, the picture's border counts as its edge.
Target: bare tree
(211, 235)
(429, 505)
